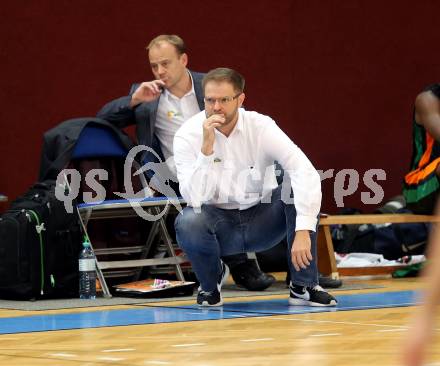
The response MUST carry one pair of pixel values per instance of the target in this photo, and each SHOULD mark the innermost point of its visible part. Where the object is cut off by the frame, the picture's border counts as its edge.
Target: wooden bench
(326, 253)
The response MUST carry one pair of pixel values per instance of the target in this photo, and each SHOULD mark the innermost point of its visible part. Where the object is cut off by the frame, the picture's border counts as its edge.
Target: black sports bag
(39, 247)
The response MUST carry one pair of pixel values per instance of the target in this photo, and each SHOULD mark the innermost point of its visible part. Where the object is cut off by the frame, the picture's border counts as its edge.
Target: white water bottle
(87, 272)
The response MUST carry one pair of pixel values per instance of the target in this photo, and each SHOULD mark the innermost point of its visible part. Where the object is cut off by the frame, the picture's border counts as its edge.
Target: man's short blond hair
(172, 39)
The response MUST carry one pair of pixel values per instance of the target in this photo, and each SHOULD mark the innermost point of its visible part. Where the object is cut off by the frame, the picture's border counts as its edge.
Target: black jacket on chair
(59, 142)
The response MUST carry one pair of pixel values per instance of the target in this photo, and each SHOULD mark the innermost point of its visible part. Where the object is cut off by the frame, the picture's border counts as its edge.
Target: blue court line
(151, 314)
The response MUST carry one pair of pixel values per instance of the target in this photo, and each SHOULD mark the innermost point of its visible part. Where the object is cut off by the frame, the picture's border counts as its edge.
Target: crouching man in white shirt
(225, 158)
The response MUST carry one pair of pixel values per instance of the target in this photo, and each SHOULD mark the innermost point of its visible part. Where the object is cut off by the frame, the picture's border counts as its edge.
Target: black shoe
(214, 298)
(328, 282)
(308, 296)
(249, 276)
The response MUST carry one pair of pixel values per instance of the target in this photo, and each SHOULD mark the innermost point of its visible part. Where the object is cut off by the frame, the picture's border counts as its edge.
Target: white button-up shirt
(172, 112)
(241, 171)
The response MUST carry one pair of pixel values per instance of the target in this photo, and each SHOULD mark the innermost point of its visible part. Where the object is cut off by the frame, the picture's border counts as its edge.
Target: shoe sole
(333, 284)
(205, 303)
(258, 288)
(301, 302)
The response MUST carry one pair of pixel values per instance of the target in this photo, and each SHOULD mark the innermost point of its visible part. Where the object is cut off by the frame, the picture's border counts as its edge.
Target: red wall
(338, 76)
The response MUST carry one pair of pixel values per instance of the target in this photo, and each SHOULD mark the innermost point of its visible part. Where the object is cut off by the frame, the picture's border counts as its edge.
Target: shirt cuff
(306, 223)
(204, 160)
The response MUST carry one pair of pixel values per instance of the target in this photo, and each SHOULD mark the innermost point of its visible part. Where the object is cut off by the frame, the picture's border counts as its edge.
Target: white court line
(238, 316)
(230, 316)
(150, 337)
(325, 335)
(110, 359)
(404, 304)
(188, 345)
(119, 350)
(256, 340)
(185, 337)
(62, 354)
(393, 330)
(336, 322)
(399, 327)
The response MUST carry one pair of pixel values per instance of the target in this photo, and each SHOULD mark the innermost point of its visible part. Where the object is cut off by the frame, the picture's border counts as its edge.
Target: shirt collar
(168, 95)
(239, 126)
(240, 122)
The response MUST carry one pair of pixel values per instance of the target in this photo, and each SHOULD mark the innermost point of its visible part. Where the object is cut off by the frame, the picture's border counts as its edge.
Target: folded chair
(99, 142)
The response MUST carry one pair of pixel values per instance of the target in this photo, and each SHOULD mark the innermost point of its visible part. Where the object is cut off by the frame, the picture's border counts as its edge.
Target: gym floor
(367, 327)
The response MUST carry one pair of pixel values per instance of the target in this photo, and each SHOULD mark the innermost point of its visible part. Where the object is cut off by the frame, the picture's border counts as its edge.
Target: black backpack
(39, 247)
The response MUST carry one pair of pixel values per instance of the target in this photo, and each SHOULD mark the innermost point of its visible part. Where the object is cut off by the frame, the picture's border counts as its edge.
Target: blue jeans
(205, 236)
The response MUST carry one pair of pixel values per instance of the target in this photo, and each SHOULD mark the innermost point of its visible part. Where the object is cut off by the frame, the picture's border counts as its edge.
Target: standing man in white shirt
(159, 108)
(225, 159)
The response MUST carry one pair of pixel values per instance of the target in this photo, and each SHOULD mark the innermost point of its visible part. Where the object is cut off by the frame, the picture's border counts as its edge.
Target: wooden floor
(352, 337)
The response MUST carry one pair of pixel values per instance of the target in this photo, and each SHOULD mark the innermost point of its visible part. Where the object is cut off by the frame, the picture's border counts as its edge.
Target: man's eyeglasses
(221, 101)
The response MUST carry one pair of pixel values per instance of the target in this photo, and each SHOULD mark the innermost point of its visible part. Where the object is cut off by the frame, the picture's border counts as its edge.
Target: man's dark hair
(224, 74)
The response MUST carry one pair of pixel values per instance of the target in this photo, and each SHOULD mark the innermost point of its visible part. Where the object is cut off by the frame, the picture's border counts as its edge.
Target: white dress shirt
(172, 112)
(241, 170)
